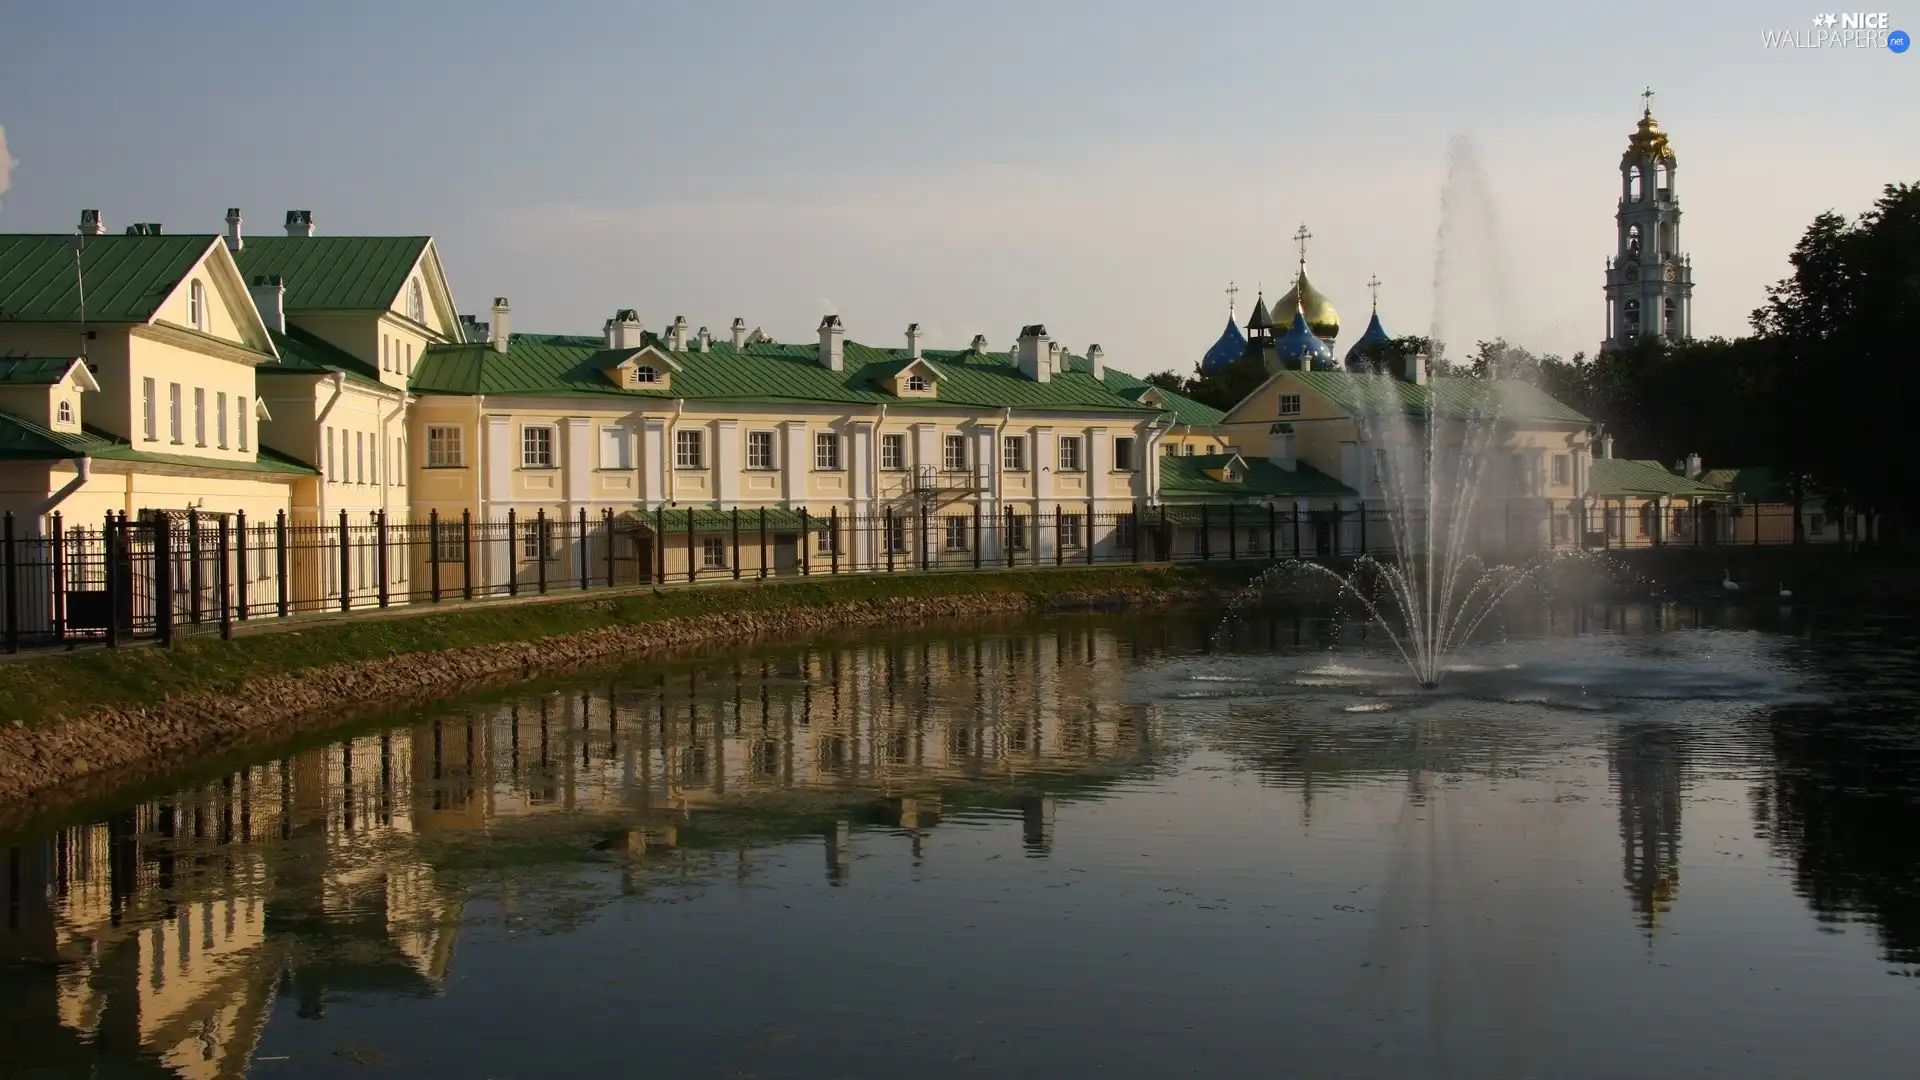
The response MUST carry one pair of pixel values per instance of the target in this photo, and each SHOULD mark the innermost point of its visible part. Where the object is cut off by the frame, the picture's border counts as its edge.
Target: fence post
(346, 564)
(466, 553)
(1206, 534)
(1087, 541)
(976, 536)
(606, 536)
(1133, 519)
(693, 563)
(225, 582)
(59, 578)
(162, 578)
(280, 563)
(240, 586)
(194, 584)
(660, 545)
(1009, 539)
(1273, 532)
(1165, 538)
(926, 542)
(806, 543)
(108, 552)
(513, 552)
(763, 543)
(1233, 533)
(584, 549)
(734, 524)
(433, 554)
(833, 525)
(1296, 528)
(1059, 536)
(542, 539)
(886, 536)
(380, 553)
(13, 586)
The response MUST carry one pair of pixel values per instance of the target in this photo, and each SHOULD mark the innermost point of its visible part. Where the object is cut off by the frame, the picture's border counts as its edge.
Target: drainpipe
(319, 451)
(83, 472)
(1000, 468)
(399, 407)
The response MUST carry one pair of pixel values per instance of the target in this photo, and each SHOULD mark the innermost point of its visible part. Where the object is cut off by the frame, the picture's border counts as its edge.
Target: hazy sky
(1102, 168)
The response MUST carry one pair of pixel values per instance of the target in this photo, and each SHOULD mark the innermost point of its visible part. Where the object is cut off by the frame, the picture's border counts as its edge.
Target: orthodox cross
(1373, 286)
(1232, 291)
(1301, 237)
(1646, 97)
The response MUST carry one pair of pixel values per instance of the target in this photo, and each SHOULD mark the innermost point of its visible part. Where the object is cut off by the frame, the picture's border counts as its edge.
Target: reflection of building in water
(167, 931)
(1648, 774)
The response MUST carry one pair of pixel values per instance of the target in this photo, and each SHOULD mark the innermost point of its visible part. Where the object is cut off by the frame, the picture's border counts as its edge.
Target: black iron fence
(158, 575)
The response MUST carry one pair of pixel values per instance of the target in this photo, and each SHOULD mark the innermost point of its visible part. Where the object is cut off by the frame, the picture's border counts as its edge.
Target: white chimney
(1280, 449)
(677, 334)
(91, 223)
(979, 344)
(1693, 466)
(1032, 353)
(234, 240)
(270, 297)
(1417, 368)
(1606, 446)
(833, 340)
(913, 341)
(739, 334)
(1097, 361)
(1054, 362)
(706, 340)
(299, 223)
(497, 331)
(623, 330)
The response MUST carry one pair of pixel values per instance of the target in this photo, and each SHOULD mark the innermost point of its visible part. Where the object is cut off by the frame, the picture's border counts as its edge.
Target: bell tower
(1649, 279)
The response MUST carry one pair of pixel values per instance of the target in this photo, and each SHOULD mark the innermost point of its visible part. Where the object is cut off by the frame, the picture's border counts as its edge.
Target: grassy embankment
(33, 688)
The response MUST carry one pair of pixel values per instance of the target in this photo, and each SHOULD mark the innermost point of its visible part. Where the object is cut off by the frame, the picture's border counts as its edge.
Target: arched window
(64, 412)
(197, 305)
(916, 382)
(1670, 318)
(1634, 191)
(1630, 315)
(416, 302)
(1663, 177)
(1633, 241)
(646, 374)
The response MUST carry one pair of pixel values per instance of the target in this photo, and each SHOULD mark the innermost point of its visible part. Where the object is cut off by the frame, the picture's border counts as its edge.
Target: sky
(1105, 169)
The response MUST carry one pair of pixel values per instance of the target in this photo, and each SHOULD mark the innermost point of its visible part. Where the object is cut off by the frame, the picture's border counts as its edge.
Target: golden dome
(1648, 142)
(1322, 319)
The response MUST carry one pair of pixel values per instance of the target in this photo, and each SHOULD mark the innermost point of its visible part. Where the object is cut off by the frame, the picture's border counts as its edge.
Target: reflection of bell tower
(1649, 279)
(1648, 778)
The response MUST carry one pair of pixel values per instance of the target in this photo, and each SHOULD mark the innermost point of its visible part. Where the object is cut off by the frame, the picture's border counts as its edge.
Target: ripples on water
(1621, 842)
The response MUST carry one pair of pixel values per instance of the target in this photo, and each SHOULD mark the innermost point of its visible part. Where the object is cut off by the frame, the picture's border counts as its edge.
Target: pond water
(1620, 842)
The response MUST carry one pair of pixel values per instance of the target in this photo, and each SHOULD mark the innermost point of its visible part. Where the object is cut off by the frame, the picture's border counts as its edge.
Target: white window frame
(1562, 466)
(713, 553)
(197, 305)
(646, 373)
(220, 418)
(825, 540)
(1071, 459)
(446, 447)
(918, 383)
(893, 452)
(959, 532)
(953, 453)
(689, 449)
(894, 530)
(537, 446)
(1013, 453)
(760, 450)
(243, 423)
(63, 412)
(1071, 531)
(199, 416)
(1289, 405)
(1017, 525)
(175, 417)
(619, 439)
(150, 409)
(826, 451)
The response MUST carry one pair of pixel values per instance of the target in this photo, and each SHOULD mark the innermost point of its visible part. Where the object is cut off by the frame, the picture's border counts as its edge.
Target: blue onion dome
(1360, 357)
(1231, 346)
(1301, 349)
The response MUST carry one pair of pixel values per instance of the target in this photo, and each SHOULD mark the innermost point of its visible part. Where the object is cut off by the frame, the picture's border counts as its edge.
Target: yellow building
(882, 456)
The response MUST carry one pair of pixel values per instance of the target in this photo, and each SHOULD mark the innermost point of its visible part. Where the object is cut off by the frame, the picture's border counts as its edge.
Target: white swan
(1727, 582)
(1785, 593)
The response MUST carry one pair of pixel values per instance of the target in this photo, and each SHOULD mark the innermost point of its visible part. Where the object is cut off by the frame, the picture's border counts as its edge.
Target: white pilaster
(579, 459)
(793, 461)
(500, 469)
(654, 466)
(859, 451)
(726, 461)
(986, 464)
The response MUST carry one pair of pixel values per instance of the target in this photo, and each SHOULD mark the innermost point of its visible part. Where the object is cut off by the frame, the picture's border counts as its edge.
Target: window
(825, 542)
(446, 448)
(1187, 450)
(687, 450)
(646, 374)
(359, 457)
(1070, 530)
(896, 528)
(243, 422)
(713, 553)
(1017, 532)
(616, 448)
(826, 451)
(1289, 404)
(199, 416)
(1070, 453)
(386, 353)
(536, 448)
(1559, 528)
(1123, 454)
(1255, 537)
(449, 544)
(759, 449)
(1123, 530)
(917, 382)
(1562, 469)
(149, 410)
(533, 545)
(197, 305)
(1649, 518)
(1379, 465)
(1013, 453)
(959, 530)
(416, 302)
(893, 451)
(64, 412)
(1170, 449)
(220, 418)
(331, 475)
(173, 412)
(408, 370)
(954, 453)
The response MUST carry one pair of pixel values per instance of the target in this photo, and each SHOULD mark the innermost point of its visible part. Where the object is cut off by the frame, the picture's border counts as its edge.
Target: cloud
(6, 164)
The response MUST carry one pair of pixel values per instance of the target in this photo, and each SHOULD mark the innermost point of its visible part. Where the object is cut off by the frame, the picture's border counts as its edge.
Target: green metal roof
(712, 520)
(1756, 483)
(1185, 410)
(302, 353)
(127, 276)
(1186, 476)
(540, 364)
(1622, 476)
(1508, 399)
(24, 440)
(334, 273)
(34, 370)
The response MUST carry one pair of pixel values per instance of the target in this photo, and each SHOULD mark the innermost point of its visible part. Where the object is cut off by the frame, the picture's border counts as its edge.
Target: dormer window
(63, 413)
(918, 383)
(197, 305)
(1229, 475)
(646, 374)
